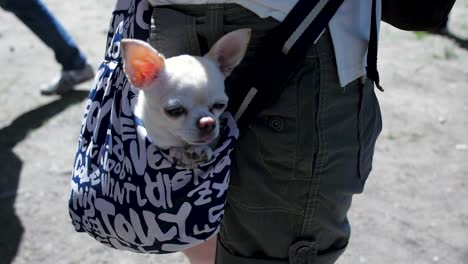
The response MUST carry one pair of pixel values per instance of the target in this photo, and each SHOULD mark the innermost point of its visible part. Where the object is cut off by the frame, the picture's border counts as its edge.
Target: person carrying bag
(308, 129)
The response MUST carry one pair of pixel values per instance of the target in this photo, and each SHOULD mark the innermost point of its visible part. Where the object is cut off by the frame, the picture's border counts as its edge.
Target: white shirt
(349, 28)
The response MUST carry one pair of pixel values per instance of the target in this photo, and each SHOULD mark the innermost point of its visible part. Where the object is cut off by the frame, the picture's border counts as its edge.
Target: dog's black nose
(206, 124)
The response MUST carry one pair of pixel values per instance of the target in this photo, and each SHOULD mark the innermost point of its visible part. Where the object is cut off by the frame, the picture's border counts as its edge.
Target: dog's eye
(218, 106)
(175, 112)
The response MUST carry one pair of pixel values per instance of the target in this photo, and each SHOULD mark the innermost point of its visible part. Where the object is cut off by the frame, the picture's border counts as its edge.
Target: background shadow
(462, 43)
(11, 165)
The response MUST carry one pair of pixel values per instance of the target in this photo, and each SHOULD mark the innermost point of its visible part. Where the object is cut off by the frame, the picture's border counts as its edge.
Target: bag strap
(309, 20)
(303, 25)
(372, 72)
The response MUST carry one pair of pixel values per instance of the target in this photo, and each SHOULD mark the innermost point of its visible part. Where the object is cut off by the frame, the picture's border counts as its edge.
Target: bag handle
(304, 24)
(371, 68)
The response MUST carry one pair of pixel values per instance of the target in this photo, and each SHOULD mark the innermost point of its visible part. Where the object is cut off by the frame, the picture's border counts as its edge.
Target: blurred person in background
(75, 69)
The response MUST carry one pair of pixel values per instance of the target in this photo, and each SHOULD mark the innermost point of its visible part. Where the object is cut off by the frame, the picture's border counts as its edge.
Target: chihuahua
(181, 98)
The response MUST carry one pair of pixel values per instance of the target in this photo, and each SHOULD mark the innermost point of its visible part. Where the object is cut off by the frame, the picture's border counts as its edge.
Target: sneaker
(67, 80)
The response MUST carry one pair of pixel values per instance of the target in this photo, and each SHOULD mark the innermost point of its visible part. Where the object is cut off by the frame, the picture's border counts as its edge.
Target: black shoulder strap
(304, 25)
(256, 88)
(261, 84)
(371, 68)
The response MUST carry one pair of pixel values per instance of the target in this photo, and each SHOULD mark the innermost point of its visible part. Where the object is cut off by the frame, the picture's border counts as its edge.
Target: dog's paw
(199, 154)
(191, 156)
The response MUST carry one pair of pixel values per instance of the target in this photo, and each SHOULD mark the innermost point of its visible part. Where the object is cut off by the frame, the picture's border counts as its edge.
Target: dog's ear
(229, 50)
(141, 62)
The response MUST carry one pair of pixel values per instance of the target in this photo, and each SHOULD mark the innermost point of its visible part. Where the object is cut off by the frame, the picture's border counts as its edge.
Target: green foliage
(420, 34)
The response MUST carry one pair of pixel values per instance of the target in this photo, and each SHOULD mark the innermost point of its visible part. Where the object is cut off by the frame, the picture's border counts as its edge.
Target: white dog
(181, 98)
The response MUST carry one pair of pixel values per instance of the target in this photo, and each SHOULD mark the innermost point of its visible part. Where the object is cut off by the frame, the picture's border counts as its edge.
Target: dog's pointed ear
(229, 50)
(141, 62)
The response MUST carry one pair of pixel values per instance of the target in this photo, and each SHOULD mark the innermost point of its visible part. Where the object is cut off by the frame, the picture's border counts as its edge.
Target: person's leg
(203, 253)
(35, 15)
(297, 167)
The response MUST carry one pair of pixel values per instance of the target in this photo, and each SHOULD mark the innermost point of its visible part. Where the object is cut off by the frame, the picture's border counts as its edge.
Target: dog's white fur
(191, 87)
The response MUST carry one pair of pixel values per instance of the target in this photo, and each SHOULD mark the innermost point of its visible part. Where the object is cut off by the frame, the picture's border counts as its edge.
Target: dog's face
(184, 95)
(189, 98)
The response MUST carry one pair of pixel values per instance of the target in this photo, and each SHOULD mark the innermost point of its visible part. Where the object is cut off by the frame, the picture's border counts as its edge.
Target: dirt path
(414, 209)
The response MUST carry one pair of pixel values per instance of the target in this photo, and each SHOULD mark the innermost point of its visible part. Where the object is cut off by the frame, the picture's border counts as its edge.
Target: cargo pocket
(276, 143)
(276, 132)
(286, 130)
(264, 162)
(370, 126)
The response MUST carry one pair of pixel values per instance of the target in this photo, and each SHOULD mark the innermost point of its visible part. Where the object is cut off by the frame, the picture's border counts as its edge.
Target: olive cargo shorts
(296, 168)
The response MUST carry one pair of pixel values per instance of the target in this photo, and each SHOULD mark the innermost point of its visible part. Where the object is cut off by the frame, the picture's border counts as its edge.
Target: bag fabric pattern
(125, 191)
